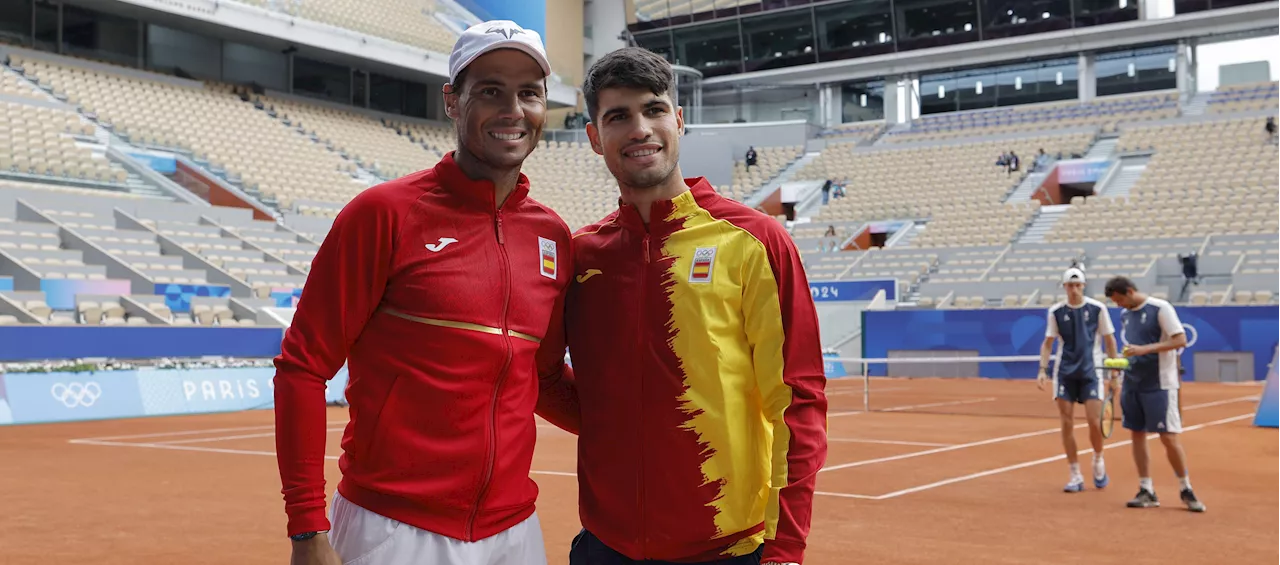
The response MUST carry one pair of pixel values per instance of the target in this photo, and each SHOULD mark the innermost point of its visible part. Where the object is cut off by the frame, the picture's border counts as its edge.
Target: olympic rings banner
(28, 398)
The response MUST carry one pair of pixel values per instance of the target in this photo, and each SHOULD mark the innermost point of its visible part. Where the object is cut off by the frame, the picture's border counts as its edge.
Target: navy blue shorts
(1153, 411)
(1079, 388)
(589, 550)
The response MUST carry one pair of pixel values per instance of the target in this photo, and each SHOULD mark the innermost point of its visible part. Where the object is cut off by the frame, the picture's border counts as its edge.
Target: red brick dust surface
(902, 486)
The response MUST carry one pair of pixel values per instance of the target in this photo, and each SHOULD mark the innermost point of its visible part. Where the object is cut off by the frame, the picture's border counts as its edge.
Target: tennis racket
(1109, 405)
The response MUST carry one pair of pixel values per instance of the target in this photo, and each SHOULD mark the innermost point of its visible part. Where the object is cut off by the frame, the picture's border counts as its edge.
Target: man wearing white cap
(1084, 326)
(443, 292)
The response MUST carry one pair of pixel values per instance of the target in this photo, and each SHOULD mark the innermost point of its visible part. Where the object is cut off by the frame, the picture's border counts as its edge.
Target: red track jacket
(447, 310)
(699, 375)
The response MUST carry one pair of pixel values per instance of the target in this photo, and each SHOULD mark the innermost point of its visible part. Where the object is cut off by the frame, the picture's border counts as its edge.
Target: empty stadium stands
(226, 133)
(770, 161)
(573, 181)
(1244, 97)
(1106, 113)
(39, 141)
(411, 22)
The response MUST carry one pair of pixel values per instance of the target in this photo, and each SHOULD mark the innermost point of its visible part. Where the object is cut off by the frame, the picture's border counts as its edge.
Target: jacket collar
(476, 192)
(668, 216)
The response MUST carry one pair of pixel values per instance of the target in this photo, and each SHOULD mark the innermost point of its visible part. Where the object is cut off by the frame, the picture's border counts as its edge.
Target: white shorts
(362, 537)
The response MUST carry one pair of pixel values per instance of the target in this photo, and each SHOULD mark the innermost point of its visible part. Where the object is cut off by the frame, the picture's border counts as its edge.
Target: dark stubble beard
(648, 178)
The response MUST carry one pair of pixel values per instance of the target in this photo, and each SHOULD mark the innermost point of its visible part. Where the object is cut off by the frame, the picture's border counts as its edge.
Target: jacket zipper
(644, 287)
(491, 455)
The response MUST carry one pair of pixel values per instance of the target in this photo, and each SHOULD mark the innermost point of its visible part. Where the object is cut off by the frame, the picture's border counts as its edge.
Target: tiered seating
(769, 162)
(964, 266)
(956, 185)
(859, 130)
(282, 244)
(1032, 264)
(1244, 97)
(11, 85)
(37, 140)
(362, 138)
(1106, 112)
(440, 139)
(573, 181)
(137, 248)
(229, 254)
(1205, 178)
(411, 22)
(224, 131)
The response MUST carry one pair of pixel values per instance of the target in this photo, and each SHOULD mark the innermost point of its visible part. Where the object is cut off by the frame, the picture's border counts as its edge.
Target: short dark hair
(629, 67)
(1119, 285)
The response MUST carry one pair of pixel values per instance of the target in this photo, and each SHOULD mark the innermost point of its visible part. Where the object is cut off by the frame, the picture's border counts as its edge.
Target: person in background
(1271, 129)
(1014, 162)
(1149, 399)
(826, 192)
(751, 157)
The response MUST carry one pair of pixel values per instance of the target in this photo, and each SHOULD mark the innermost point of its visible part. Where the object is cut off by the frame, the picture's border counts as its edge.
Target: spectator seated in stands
(826, 192)
(751, 157)
(1041, 162)
(1013, 162)
(1271, 129)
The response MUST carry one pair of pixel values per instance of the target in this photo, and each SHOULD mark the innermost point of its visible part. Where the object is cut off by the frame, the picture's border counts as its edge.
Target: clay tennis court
(905, 483)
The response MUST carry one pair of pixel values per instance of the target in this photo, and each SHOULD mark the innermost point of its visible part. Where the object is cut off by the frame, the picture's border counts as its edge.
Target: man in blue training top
(1083, 326)
(1152, 335)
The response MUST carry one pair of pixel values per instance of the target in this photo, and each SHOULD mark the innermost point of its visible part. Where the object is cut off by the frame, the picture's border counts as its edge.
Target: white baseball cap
(1073, 275)
(495, 34)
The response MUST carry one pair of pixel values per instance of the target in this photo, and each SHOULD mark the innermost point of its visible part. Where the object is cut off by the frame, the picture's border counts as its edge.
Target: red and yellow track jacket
(698, 368)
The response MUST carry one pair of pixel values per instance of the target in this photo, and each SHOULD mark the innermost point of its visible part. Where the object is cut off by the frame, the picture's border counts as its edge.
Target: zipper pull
(498, 227)
(646, 249)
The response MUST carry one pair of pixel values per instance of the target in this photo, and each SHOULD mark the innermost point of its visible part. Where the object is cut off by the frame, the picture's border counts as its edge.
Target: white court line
(228, 438)
(937, 404)
(1001, 439)
(914, 406)
(847, 495)
(1058, 457)
(193, 432)
(888, 442)
(240, 451)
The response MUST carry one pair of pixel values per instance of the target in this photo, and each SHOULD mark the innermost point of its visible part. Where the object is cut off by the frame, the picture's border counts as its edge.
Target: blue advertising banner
(832, 369)
(6, 283)
(166, 164)
(1082, 170)
(34, 343)
(60, 397)
(1268, 414)
(178, 296)
(60, 294)
(854, 290)
(286, 297)
(28, 398)
(1020, 332)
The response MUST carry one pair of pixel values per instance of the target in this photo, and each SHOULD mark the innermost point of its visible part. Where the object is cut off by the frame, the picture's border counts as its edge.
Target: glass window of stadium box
(45, 26)
(1008, 18)
(1140, 70)
(861, 101)
(1188, 6)
(104, 37)
(318, 79)
(15, 22)
(932, 23)
(659, 42)
(1006, 85)
(1037, 81)
(1216, 4)
(854, 29)
(390, 94)
(1099, 12)
(176, 51)
(715, 49)
(779, 40)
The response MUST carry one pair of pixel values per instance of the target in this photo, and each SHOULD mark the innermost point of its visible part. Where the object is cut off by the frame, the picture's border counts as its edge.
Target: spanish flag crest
(547, 257)
(704, 260)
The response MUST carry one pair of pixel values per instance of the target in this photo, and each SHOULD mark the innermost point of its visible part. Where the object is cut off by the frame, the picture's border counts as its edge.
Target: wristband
(305, 536)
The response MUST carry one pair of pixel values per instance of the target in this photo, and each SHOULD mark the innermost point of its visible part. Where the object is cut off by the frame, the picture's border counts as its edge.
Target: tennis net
(947, 384)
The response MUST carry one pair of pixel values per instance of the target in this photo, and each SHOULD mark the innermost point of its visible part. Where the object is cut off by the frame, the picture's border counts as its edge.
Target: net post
(866, 387)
